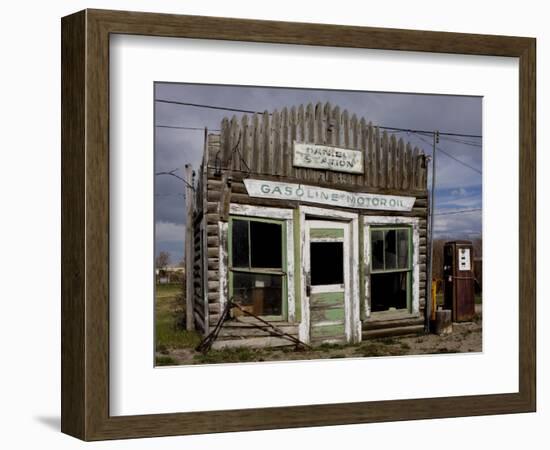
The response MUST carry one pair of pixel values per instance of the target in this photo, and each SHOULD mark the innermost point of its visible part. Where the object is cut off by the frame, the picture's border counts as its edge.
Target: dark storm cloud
(177, 147)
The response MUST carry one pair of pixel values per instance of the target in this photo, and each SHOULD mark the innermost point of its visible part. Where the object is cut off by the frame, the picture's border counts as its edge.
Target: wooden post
(189, 199)
(443, 322)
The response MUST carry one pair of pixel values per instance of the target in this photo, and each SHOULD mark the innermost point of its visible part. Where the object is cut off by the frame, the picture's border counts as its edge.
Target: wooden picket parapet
(262, 144)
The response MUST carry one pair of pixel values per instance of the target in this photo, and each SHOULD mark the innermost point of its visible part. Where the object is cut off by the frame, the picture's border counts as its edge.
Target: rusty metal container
(458, 273)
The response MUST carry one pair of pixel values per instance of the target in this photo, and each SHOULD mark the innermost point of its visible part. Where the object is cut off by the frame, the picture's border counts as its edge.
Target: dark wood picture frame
(85, 224)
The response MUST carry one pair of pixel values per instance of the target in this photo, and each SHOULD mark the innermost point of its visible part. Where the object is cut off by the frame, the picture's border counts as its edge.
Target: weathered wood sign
(327, 157)
(315, 194)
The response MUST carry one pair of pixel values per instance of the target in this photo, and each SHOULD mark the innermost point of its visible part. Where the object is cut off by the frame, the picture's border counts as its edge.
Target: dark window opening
(240, 243)
(266, 245)
(326, 263)
(389, 290)
(377, 239)
(256, 244)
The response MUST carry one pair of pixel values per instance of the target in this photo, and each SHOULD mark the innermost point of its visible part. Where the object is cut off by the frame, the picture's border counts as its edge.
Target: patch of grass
(165, 361)
(370, 349)
(168, 290)
(405, 346)
(169, 318)
(328, 347)
(228, 355)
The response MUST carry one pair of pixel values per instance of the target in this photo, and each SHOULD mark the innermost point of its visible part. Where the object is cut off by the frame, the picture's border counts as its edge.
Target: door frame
(352, 299)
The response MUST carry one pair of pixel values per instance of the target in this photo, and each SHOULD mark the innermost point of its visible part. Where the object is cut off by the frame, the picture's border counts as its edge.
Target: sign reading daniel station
(313, 222)
(328, 157)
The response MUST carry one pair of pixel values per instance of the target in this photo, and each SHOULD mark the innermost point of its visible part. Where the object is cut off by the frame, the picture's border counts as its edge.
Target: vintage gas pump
(459, 280)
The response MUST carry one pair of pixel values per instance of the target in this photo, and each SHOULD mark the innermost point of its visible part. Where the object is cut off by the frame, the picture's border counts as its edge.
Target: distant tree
(162, 260)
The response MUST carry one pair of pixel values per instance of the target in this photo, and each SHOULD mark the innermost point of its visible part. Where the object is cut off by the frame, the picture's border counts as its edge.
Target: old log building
(313, 220)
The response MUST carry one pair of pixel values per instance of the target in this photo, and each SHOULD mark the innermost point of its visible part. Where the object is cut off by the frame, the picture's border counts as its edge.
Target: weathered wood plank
(388, 332)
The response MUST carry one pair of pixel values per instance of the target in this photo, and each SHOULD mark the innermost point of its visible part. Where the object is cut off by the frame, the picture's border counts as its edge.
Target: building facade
(312, 220)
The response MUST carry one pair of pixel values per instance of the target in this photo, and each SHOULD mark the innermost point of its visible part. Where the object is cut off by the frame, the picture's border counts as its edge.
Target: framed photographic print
(272, 224)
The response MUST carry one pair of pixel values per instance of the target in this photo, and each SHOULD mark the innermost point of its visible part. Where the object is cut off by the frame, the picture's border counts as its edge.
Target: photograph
(307, 224)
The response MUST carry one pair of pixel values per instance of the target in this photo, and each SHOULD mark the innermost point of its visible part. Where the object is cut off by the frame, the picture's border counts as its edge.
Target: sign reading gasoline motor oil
(314, 194)
(326, 157)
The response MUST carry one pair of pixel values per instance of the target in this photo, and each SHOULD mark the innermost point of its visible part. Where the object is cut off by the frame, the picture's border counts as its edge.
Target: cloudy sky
(459, 161)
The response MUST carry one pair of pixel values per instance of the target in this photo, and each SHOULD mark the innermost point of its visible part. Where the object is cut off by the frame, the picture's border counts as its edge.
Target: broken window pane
(266, 245)
(260, 294)
(240, 243)
(403, 248)
(377, 244)
(389, 291)
(390, 253)
(327, 263)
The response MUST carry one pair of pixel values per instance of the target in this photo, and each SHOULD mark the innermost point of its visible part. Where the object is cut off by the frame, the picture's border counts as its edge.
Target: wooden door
(328, 280)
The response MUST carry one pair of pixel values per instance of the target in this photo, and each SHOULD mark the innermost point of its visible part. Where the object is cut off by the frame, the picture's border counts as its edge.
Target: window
(391, 268)
(257, 278)
(323, 272)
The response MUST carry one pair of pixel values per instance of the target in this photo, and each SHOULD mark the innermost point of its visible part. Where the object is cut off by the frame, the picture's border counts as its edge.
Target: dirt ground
(466, 337)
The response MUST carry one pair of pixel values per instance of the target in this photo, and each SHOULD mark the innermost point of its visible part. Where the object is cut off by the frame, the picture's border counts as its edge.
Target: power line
(199, 105)
(475, 169)
(186, 128)
(462, 211)
(173, 174)
(463, 142)
(248, 111)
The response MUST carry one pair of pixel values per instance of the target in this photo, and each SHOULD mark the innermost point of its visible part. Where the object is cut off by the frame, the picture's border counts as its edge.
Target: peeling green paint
(297, 266)
(322, 314)
(327, 299)
(362, 293)
(336, 330)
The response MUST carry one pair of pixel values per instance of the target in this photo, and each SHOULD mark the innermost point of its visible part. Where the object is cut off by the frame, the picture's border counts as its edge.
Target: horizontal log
(212, 219)
(214, 197)
(212, 230)
(213, 241)
(369, 325)
(396, 331)
(250, 332)
(247, 322)
(252, 342)
(213, 297)
(214, 308)
(213, 275)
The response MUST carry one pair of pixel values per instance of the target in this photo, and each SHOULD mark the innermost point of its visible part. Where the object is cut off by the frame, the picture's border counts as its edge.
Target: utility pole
(431, 303)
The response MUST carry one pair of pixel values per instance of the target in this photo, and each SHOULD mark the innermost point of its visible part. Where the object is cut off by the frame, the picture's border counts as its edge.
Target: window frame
(283, 272)
(410, 249)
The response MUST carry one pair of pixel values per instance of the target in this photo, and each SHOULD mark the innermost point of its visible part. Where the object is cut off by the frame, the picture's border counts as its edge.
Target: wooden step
(396, 331)
(234, 332)
(316, 342)
(369, 325)
(252, 342)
